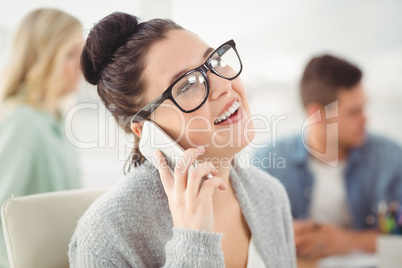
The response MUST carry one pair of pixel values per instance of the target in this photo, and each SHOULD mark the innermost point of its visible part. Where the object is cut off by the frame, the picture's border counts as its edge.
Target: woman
(35, 156)
(158, 71)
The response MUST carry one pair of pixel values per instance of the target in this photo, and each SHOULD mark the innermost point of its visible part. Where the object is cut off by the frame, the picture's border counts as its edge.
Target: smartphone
(153, 138)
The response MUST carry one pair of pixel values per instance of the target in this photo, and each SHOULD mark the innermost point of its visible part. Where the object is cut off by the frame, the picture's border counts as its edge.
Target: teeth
(236, 105)
(227, 113)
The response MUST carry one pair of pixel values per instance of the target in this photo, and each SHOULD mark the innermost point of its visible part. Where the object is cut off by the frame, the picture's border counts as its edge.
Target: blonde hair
(35, 72)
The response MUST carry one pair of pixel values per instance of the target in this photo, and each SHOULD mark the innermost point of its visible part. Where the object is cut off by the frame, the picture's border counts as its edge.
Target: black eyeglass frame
(148, 109)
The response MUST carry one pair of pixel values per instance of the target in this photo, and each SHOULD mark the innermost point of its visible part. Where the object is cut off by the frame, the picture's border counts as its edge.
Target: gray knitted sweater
(131, 225)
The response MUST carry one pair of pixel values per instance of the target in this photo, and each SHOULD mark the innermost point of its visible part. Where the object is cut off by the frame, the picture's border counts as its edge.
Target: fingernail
(201, 151)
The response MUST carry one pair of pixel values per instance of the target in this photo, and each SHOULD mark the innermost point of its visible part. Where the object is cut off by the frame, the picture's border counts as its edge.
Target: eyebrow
(175, 77)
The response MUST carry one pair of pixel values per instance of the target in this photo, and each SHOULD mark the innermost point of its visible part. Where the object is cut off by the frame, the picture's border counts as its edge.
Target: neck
(52, 106)
(328, 149)
(222, 165)
(342, 153)
(224, 173)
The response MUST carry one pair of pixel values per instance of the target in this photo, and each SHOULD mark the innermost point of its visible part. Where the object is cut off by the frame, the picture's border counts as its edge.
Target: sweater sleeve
(187, 248)
(85, 257)
(193, 248)
(288, 227)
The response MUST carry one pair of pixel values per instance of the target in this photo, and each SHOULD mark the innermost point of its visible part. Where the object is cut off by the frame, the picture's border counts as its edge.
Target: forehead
(180, 51)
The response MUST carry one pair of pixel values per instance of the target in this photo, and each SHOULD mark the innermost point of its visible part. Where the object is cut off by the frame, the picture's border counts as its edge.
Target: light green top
(35, 157)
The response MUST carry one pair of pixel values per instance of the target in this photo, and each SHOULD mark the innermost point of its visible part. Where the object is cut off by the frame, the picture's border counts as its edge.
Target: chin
(359, 141)
(242, 138)
(249, 137)
(69, 90)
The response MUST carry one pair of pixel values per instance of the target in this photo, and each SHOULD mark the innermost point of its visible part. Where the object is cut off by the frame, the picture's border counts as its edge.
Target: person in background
(336, 173)
(156, 70)
(35, 155)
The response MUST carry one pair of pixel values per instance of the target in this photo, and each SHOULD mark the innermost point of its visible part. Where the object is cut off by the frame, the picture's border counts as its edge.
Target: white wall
(275, 40)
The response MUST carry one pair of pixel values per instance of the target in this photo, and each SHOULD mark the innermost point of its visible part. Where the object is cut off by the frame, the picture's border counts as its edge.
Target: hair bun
(103, 41)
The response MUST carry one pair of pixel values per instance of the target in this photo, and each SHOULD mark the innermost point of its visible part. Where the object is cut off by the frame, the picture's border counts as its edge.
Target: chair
(38, 228)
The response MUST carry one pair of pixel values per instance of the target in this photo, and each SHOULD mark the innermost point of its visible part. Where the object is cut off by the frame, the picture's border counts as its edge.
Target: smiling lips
(228, 113)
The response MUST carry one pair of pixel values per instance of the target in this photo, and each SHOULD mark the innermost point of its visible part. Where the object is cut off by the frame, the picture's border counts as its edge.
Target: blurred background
(275, 40)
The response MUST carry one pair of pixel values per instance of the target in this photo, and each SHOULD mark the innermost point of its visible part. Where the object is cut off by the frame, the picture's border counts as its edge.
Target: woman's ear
(136, 127)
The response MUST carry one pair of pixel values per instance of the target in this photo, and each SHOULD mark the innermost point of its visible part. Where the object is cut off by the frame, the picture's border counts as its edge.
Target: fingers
(316, 250)
(313, 244)
(209, 186)
(304, 236)
(307, 246)
(183, 165)
(196, 175)
(303, 226)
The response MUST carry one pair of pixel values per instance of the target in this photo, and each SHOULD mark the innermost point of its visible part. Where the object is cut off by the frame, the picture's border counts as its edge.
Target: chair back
(38, 228)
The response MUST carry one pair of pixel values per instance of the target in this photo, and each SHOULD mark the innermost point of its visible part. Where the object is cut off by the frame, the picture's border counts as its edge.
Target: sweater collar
(245, 183)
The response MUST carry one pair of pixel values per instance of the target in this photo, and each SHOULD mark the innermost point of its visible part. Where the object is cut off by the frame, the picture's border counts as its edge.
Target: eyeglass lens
(191, 90)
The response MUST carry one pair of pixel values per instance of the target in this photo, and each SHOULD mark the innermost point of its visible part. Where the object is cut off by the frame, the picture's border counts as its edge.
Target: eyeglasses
(191, 90)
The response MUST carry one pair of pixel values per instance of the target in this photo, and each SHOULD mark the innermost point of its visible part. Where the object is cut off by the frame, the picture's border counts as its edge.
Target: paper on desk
(353, 260)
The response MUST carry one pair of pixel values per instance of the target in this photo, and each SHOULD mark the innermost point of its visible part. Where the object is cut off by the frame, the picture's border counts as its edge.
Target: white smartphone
(153, 138)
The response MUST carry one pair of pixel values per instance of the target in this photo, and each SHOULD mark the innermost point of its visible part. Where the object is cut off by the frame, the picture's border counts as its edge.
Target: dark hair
(324, 76)
(113, 58)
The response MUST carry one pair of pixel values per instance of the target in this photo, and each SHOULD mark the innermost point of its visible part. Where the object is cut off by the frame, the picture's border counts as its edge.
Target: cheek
(348, 128)
(197, 128)
(72, 70)
(170, 119)
(238, 86)
(189, 130)
(348, 122)
(198, 132)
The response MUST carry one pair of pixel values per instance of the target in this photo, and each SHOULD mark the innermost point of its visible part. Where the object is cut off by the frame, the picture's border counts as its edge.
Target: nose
(218, 86)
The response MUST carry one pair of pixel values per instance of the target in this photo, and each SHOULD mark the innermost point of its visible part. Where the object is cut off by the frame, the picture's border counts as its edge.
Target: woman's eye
(190, 85)
(217, 62)
(184, 88)
(187, 84)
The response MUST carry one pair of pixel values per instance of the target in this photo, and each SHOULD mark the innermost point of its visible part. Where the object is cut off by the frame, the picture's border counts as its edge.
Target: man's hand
(315, 241)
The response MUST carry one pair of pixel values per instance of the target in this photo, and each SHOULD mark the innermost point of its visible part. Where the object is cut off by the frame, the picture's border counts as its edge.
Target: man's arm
(320, 240)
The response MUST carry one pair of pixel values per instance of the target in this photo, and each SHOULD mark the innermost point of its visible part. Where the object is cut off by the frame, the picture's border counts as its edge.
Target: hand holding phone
(190, 201)
(153, 139)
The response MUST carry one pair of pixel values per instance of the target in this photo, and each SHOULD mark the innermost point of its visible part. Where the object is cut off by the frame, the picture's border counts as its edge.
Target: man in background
(335, 172)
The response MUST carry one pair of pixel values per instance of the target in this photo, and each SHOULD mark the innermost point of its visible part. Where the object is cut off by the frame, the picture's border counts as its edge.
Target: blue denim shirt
(373, 173)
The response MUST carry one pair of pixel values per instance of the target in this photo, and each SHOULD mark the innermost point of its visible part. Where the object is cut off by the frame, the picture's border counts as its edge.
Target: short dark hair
(324, 76)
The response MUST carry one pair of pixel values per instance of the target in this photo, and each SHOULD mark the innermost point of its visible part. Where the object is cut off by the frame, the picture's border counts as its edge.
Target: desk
(357, 259)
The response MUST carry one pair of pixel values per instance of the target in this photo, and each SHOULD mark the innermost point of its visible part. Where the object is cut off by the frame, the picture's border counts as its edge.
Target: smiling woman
(238, 217)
